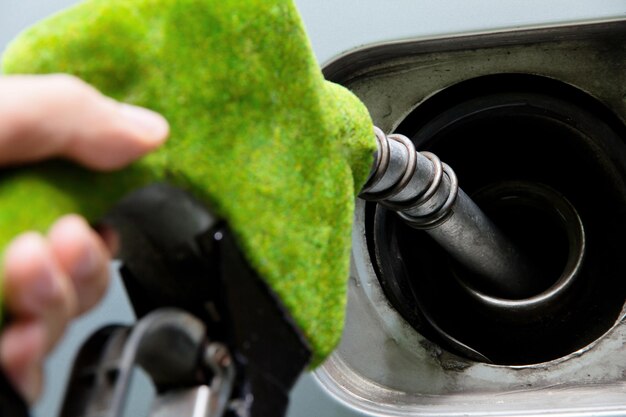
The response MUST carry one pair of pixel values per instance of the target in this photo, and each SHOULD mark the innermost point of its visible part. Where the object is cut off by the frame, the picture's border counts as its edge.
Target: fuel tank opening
(546, 162)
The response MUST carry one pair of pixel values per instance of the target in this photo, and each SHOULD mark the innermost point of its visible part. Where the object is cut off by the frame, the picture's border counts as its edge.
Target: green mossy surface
(256, 132)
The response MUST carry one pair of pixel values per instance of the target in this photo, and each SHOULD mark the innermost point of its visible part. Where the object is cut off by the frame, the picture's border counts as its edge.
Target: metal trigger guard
(211, 333)
(172, 348)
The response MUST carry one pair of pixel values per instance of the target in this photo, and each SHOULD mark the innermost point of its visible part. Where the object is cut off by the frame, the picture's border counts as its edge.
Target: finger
(83, 257)
(36, 286)
(59, 115)
(22, 350)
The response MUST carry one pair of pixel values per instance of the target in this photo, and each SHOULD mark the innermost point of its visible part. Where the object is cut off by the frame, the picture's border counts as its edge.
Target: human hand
(50, 279)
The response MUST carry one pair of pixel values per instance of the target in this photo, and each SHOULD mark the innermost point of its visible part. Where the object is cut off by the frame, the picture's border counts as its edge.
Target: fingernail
(87, 264)
(152, 126)
(30, 384)
(48, 285)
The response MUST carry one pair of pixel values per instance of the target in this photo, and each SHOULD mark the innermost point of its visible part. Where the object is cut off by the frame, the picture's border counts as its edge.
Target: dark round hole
(525, 216)
(554, 136)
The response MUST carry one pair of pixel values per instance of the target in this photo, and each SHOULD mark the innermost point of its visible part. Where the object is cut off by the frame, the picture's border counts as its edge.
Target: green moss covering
(256, 132)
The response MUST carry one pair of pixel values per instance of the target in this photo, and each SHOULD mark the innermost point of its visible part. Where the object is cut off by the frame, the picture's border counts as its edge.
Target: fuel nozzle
(425, 193)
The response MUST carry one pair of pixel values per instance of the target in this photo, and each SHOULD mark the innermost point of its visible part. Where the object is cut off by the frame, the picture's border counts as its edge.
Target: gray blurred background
(335, 27)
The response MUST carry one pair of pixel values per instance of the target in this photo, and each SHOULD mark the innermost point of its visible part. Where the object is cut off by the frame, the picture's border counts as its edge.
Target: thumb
(61, 116)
